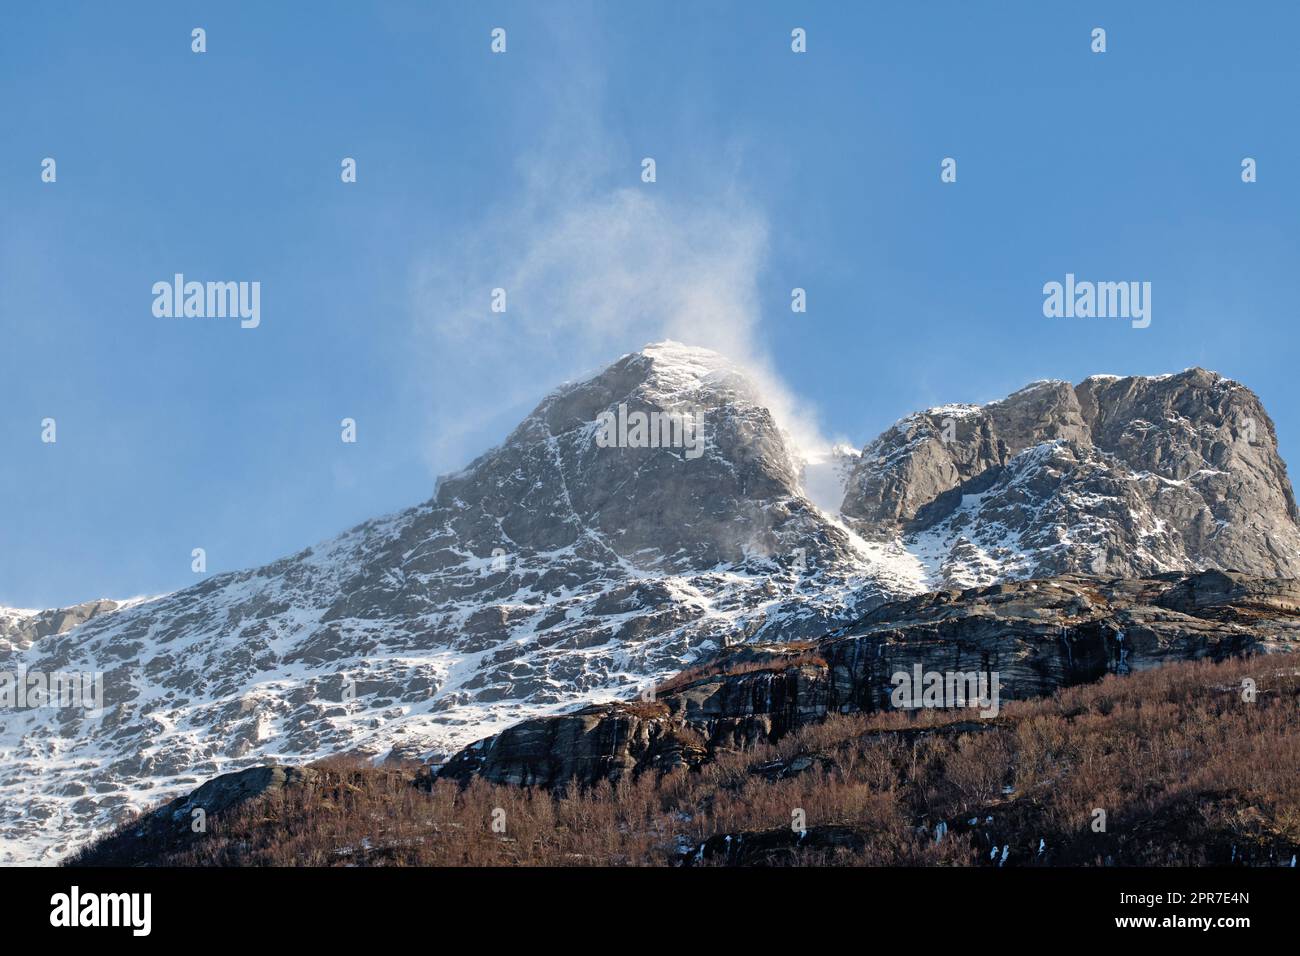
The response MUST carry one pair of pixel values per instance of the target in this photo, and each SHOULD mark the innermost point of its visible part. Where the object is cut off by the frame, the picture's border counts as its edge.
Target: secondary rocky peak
(1178, 425)
(928, 453)
(1129, 475)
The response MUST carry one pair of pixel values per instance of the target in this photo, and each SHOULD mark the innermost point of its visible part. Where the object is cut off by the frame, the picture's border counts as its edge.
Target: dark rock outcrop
(1035, 636)
(178, 824)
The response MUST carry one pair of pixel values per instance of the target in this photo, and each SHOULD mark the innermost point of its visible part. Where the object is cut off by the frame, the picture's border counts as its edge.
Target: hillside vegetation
(1187, 768)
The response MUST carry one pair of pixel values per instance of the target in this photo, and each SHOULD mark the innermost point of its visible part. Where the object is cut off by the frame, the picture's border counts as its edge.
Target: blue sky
(774, 170)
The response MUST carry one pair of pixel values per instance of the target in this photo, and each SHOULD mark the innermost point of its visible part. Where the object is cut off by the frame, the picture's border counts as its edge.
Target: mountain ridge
(551, 572)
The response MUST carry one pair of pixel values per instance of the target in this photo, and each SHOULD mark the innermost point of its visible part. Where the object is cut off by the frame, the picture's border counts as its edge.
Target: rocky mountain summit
(575, 563)
(1035, 636)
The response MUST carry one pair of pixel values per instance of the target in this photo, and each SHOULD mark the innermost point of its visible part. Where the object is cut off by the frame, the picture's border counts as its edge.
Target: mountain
(605, 545)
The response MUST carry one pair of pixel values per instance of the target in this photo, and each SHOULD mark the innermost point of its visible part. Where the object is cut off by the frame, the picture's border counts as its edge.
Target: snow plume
(594, 263)
(583, 284)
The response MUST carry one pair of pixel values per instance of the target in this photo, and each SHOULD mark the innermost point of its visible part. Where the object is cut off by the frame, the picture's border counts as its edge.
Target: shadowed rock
(179, 823)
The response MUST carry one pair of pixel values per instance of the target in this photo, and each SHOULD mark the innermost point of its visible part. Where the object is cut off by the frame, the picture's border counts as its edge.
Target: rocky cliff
(1031, 636)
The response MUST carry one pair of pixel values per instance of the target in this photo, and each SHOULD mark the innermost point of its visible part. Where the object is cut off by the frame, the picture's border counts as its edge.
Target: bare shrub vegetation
(1186, 770)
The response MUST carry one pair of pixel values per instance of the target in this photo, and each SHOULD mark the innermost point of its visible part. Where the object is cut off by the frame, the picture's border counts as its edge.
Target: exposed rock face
(1113, 476)
(1035, 635)
(929, 453)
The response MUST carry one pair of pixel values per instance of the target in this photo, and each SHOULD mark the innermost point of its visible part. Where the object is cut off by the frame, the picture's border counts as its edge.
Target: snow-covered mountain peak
(555, 569)
(671, 358)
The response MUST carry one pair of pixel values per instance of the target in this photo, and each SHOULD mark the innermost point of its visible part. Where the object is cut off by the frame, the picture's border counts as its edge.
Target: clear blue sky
(818, 170)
